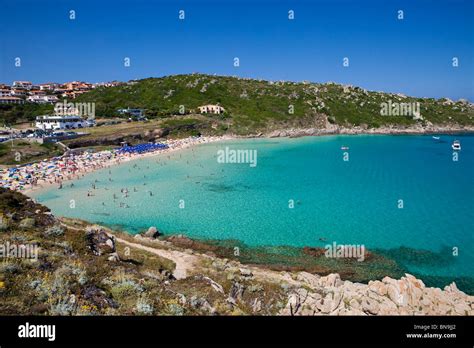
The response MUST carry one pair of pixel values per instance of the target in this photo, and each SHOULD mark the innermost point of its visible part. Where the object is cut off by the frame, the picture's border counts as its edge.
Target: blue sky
(411, 56)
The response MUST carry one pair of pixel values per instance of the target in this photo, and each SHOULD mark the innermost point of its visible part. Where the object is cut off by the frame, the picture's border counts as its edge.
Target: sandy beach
(58, 170)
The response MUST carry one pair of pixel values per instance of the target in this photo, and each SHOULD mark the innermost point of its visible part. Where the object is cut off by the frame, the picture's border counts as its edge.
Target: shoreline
(171, 245)
(177, 145)
(302, 292)
(310, 258)
(336, 130)
(184, 143)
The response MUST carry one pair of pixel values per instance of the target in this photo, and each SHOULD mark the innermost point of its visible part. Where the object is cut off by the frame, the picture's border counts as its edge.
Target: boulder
(451, 287)
(202, 304)
(370, 306)
(100, 242)
(236, 292)
(308, 278)
(152, 233)
(216, 286)
(256, 305)
(331, 280)
(378, 287)
(417, 283)
(114, 257)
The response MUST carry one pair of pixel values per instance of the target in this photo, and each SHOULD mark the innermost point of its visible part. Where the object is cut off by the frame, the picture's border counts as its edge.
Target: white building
(18, 93)
(49, 86)
(211, 109)
(22, 84)
(43, 99)
(11, 100)
(59, 122)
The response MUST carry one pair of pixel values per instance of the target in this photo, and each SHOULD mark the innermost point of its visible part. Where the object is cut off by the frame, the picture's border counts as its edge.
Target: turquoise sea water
(350, 202)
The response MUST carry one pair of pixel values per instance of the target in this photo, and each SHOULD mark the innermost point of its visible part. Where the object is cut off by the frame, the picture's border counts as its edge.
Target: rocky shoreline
(386, 130)
(312, 294)
(406, 296)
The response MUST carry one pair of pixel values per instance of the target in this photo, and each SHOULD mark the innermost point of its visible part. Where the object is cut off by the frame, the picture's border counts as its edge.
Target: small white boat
(435, 138)
(456, 145)
(344, 147)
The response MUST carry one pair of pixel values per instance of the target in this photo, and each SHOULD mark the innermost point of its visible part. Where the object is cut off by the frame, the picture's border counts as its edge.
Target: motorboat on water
(436, 138)
(344, 147)
(456, 145)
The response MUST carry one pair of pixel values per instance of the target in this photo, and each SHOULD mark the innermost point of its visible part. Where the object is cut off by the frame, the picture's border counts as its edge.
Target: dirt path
(185, 263)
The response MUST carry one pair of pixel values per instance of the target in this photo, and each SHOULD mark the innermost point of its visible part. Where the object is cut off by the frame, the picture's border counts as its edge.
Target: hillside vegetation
(253, 105)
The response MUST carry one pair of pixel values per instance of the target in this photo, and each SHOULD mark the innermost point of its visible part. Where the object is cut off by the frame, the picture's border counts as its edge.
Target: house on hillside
(11, 100)
(22, 84)
(53, 122)
(211, 109)
(4, 92)
(43, 99)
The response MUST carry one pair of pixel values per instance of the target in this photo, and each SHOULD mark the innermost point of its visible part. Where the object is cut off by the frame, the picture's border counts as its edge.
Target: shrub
(144, 306)
(65, 305)
(10, 267)
(54, 231)
(125, 289)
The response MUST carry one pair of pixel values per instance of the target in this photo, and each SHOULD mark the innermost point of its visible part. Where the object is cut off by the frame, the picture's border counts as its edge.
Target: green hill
(258, 105)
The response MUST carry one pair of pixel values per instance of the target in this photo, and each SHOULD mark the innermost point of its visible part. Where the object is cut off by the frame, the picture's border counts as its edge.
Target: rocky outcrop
(100, 243)
(329, 129)
(406, 296)
(152, 232)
